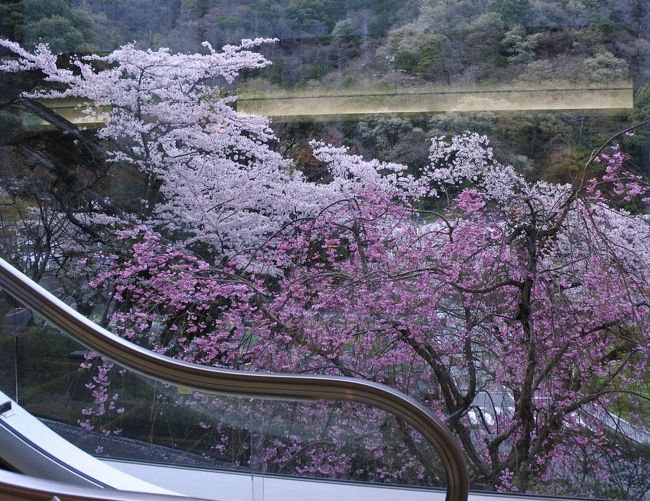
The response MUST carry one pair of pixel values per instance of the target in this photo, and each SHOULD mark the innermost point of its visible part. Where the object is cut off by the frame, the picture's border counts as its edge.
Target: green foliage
(385, 14)
(225, 22)
(641, 104)
(605, 68)
(38, 9)
(192, 9)
(60, 34)
(345, 28)
(412, 50)
(317, 70)
(640, 143)
(310, 14)
(520, 46)
(606, 26)
(513, 12)
(55, 22)
(348, 83)
(276, 72)
(406, 61)
(428, 57)
(12, 21)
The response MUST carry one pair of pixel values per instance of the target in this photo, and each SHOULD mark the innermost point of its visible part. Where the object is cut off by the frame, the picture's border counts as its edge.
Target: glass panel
(341, 441)
(114, 413)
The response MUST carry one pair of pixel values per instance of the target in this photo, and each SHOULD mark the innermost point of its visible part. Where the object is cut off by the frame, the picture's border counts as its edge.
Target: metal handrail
(230, 381)
(17, 487)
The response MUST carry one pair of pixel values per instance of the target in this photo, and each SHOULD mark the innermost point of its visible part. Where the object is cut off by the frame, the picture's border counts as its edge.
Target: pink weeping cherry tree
(519, 311)
(534, 293)
(531, 294)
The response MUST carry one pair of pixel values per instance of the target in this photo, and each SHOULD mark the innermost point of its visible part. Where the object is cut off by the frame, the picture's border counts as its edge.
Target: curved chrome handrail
(230, 381)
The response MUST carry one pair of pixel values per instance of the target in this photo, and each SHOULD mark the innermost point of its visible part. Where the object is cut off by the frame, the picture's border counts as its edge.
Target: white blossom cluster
(220, 180)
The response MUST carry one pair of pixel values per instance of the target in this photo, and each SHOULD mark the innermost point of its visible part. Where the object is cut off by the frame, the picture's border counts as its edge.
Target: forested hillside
(452, 42)
(369, 45)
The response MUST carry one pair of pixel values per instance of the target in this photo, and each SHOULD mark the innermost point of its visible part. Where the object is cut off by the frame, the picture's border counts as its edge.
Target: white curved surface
(44, 460)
